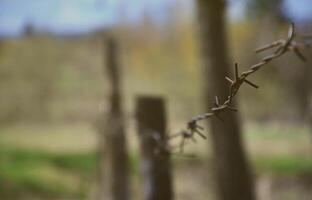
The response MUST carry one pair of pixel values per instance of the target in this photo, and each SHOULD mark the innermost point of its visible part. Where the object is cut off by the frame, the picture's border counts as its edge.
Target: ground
(59, 162)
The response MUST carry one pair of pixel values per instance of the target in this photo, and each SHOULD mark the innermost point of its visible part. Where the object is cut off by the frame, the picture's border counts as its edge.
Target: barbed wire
(280, 47)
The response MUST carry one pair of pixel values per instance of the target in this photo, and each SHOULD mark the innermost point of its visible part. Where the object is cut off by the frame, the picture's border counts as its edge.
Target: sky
(72, 16)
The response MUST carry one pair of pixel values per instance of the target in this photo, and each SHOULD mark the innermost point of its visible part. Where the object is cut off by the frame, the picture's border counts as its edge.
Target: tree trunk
(302, 91)
(115, 158)
(234, 180)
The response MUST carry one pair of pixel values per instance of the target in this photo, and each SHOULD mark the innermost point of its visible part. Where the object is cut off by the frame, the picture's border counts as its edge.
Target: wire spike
(299, 54)
(182, 145)
(201, 134)
(207, 115)
(268, 46)
(219, 108)
(193, 139)
(219, 118)
(251, 84)
(229, 80)
(291, 35)
(217, 100)
(199, 127)
(279, 49)
(232, 108)
(236, 71)
(291, 31)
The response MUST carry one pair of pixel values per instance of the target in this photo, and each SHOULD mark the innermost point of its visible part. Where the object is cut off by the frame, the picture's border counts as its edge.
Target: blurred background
(54, 85)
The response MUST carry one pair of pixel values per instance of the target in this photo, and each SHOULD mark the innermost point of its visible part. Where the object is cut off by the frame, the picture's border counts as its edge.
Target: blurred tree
(115, 168)
(296, 75)
(29, 30)
(1, 41)
(267, 14)
(303, 90)
(266, 8)
(299, 80)
(234, 179)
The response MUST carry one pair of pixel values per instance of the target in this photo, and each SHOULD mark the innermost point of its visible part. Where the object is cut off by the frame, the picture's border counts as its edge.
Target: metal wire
(280, 48)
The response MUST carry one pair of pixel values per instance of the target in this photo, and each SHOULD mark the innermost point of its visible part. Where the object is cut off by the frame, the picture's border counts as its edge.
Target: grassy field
(59, 161)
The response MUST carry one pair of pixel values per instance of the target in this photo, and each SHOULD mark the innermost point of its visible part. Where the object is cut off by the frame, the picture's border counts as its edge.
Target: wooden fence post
(114, 159)
(155, 162)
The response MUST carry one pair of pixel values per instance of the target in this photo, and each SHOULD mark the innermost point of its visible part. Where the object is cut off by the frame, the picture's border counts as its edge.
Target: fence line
(281, 47)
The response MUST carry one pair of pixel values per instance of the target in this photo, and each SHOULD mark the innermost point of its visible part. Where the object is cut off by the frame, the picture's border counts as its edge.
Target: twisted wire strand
(281, 47)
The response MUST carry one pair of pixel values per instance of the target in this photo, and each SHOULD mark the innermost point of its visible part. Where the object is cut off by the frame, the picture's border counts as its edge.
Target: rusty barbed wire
(280, 47)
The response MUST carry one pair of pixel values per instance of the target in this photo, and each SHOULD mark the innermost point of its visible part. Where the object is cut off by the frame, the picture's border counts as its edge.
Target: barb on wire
(279, 47)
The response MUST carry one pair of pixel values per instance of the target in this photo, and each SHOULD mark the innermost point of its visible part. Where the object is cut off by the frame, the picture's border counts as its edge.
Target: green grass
(44, 174)
(48, 175)
(80, 162)
(283, 165)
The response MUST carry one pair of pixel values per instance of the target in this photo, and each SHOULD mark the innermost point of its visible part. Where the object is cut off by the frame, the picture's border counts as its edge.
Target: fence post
(155, 162)
(114, 159)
